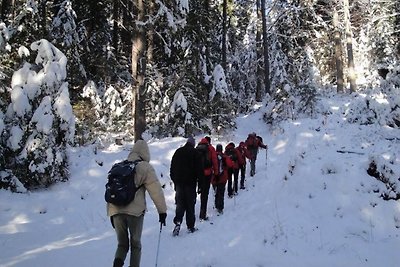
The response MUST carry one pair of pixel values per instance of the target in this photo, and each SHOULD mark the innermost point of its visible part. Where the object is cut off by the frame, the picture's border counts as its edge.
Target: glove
(162, 217)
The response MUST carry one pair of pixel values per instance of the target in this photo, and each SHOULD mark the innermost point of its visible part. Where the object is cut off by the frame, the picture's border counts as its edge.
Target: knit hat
(191, 140)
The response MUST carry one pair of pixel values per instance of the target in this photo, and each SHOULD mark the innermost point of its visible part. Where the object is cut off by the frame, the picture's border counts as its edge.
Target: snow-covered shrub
(386, 169)
(391, 88)
(375, 108)
(39, 123)
(104, 109)
(179, 115)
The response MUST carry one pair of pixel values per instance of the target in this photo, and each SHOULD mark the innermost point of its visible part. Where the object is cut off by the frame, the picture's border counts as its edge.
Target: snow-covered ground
(311, 203)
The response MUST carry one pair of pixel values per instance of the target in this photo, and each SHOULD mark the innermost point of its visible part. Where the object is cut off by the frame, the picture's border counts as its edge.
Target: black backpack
(232, 154)
(120, 187)
(204, 155)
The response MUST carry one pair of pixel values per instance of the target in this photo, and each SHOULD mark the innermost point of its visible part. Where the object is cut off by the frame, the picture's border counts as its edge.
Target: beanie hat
(191, 140)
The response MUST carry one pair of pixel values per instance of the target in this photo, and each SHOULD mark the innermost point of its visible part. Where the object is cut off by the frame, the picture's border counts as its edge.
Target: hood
(203, 141)
(140, 150)
(230, 146)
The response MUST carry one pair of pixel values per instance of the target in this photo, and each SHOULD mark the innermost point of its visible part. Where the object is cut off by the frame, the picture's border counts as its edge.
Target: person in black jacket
(185, 172)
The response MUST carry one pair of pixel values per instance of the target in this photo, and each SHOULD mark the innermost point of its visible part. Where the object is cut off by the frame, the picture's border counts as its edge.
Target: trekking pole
(158, 245)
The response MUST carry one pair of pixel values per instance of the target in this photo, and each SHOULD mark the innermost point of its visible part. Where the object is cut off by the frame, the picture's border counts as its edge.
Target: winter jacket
(227, 164)
(239, 159)
(213, 156)
(146, 176)
(185, 166)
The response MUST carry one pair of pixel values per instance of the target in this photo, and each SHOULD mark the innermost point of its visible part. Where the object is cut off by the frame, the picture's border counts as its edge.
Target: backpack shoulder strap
(135, 162)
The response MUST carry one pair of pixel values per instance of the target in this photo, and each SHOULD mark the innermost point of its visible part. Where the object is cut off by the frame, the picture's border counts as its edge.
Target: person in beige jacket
(128, 220)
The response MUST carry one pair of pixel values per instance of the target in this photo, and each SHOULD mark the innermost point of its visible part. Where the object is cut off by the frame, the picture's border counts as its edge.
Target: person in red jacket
(245, 153)
(210, 166)
(236, 157)
(220, 178)
(253, 142)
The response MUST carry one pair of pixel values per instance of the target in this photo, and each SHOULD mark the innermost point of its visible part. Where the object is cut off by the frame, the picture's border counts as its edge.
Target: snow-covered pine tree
(68, 35)
(39, 123)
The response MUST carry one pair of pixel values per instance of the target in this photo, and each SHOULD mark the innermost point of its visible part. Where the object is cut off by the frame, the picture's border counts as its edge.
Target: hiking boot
(176, 230)
(203, 218)
(192, 229)
(242, 187)
(220, 212)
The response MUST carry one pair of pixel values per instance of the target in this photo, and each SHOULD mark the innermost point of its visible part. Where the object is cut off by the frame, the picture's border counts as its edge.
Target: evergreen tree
(39, 123)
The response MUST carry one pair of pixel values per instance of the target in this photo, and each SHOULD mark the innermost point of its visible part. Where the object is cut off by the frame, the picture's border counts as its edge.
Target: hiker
(234, 154)
(210, 166)
(253, 142)
(220, 178)
(245, 153)
(185, 172)
(128, 220)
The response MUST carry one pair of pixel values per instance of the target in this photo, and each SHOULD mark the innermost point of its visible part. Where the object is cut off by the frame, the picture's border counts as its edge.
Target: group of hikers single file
(194, 169)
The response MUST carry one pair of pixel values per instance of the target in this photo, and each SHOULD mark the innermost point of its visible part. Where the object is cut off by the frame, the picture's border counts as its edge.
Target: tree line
(167, 67)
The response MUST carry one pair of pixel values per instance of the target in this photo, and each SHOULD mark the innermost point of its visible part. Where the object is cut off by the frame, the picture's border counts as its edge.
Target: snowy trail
(310, 206)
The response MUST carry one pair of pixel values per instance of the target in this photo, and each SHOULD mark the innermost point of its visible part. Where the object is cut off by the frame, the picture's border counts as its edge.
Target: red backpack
(251, 142)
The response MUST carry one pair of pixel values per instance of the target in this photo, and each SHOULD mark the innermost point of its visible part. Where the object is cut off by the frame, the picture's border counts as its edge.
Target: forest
(77, 72)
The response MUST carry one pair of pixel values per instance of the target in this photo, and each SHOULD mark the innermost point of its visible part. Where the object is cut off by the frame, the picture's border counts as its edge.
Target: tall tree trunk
(150, 34)
(259, 54)
(267, 81)
(7, 10)
(349, 45)
(338, 53)
(116, 19)
(138, 73)
(206, 22)
(224, 23)
(42, 19)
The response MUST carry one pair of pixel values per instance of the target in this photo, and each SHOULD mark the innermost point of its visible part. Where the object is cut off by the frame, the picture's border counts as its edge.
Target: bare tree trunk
(116, 26)
(338, 53)
(224, 23)
(267, 82)
(138, 73)
(206, 21)
(349, 44)
(7, 10)
(42, 22)
(259, 54)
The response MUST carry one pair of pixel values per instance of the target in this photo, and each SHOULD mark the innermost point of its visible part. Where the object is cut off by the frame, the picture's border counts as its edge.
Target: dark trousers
(242, 175)
(233, 185)
(253, 152)
(205, 190)
(185, 200)
(219, 196)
